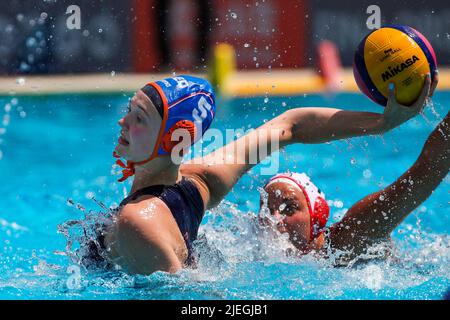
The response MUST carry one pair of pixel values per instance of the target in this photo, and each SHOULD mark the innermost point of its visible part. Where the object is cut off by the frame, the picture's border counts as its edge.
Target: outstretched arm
(218, 172)
(317, 125)
(373, 218)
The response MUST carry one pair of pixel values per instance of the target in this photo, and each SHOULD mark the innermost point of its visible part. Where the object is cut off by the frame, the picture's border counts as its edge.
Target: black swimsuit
(185, 204)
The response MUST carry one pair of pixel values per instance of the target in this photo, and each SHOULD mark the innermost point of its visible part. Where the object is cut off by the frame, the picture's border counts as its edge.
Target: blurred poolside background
(112, 38)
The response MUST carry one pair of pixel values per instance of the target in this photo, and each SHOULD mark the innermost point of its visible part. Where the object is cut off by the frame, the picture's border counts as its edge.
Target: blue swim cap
(184, 102)
(189, 103)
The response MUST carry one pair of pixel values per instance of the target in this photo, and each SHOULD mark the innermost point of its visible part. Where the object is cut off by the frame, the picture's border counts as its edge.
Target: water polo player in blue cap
(156, 224)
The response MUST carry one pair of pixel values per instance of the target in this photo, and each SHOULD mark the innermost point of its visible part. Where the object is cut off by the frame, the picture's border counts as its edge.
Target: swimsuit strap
(155, 190)
(188, 190)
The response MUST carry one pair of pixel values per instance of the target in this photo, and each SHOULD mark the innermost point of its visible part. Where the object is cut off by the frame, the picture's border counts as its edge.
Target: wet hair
(155, 98)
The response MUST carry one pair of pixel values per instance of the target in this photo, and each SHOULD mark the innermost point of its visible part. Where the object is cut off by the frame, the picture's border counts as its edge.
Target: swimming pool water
(57, 148)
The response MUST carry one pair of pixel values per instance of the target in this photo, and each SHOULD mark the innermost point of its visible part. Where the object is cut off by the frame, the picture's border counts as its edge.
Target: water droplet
(30, 59)
(7, 107)
(338, 204)
(9, 28)
(246, 45)
(100, 30)
(24, 67)
(353, 161)
(367, 174)
(44, 15)
(283, 104)
(20, 81)
(233, 15)
(113, 73)
(89, 195)
(86, 33)
(31, 42)
(5, 121)
(266, 100)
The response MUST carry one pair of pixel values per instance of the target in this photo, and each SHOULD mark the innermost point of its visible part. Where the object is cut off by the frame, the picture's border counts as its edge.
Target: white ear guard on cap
(311, 188)
(302, 181)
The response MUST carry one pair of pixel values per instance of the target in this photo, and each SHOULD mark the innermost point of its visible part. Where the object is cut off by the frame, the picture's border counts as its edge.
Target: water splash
(238, 257)
(83, 245)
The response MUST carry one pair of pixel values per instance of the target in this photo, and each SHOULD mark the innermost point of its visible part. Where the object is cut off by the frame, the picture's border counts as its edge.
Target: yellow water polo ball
(397, 54)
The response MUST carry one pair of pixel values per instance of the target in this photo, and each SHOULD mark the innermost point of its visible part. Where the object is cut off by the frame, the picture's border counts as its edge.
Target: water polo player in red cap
(156, 224)
(297, 207)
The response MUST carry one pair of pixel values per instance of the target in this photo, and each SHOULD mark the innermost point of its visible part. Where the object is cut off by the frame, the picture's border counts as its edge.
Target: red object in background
(146, 53)
(182, 35)
(270, 33)
(264, 34)
(329, 63)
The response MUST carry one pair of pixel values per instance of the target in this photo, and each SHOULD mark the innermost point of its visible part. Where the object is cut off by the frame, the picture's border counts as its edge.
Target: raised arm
(374, 218)
(316, 125)
(218, 172)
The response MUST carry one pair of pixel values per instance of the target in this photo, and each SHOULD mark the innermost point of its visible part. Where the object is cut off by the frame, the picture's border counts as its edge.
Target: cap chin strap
(129, 168)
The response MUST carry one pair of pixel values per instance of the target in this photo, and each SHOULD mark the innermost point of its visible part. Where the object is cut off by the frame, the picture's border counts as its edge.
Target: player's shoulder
(142, 206)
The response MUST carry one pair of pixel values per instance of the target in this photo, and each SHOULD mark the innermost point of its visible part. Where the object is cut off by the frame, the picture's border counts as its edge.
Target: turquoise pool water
(57, 148)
